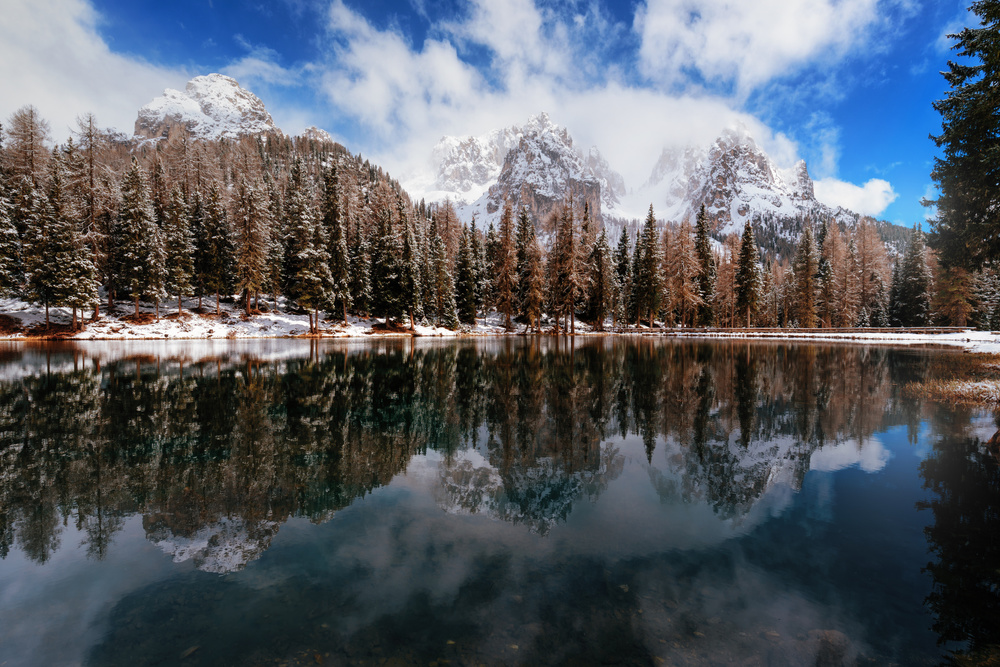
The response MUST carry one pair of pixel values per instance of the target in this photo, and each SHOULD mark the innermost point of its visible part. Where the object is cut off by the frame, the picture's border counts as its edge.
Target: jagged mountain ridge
(736, 181)
(536, 165)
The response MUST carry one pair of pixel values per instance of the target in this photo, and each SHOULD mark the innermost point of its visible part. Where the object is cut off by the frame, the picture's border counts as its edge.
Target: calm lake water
(494, 502)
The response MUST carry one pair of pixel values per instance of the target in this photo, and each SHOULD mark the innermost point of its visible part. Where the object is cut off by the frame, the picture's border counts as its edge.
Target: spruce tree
(525, 237)
(706, 270)
(410, 287)
(333, 221)
(749, 282)
(602, 283)
(968, 173)
(216, 243)
(138, 247)
(623, 278)
(915, 284)
(252, 226)
(505, 267)
(805, 269)
(178, 247)
(386, 267)
(11, 268)
(534, 284)
(360, 262)
(444, 287)
(465, 280)
(647, 286)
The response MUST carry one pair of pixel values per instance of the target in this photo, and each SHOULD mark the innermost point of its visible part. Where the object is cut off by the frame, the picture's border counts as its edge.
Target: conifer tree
(491, 253)
(623, 278)
(11, 268)
(965, 226)
(465, 280)
(915, 284)
(683, 273)
(217, 252)
(566, 280)
(534, 284)
(26, 152)
(138, 247)
(805, 269)
(252, 225)
(602, 287)
(505, 267)
(386, 268)
(525, 237)
(178, 247)
(274, 280)
(360, 262)
(37, 252)
(706, 270)
(333, 220)
(410, 287)
(479, 266)
(749, 281)
(647, 286)
(444, 286)
(895, 304)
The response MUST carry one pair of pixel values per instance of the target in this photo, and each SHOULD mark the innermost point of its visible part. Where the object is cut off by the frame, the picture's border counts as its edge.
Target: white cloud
(52, 56)
(746, 44)
(870, 456)
(869, 199)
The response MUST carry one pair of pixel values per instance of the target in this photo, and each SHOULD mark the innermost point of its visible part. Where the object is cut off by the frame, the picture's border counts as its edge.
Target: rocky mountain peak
(210, 107)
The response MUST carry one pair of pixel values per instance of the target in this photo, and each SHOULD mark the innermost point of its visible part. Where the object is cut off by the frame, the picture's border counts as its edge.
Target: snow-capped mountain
(209, 107)
(313, 133)
(536, 165)
(736, 181)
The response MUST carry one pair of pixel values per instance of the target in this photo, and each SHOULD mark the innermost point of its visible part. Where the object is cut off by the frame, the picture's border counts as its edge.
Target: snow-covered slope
(536, 165)
(209, 107)
(736, 181)
(313, 133)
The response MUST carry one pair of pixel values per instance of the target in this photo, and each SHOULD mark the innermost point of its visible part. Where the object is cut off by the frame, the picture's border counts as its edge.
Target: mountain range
(538, 165)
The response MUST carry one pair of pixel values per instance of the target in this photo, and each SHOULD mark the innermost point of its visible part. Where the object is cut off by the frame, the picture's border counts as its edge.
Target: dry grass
(972, 379)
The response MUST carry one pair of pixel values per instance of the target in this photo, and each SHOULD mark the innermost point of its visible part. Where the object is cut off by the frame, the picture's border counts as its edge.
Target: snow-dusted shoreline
(232, 324)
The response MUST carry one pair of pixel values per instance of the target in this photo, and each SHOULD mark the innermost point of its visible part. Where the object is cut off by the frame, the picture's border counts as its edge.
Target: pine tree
(360, 262)
(37, 250)
(525, 237)
(749, 281)
(647, 286)
(706, 270)
(179, 248)
(915, 284)
(138, 247)
(333, 220)
(11, 269)
(534, 284)
(805, 269)
(410, 261)
(386, 268)
(465, 280)
(505, 267)
(965, 226)
(444, 286)
(566, 282)
(623, 278)
(602, 284)
(895, 304)
(252, 226)
(216, 247)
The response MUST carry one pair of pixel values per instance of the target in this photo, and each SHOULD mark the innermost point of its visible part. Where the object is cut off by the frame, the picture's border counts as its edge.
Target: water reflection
(220, 450)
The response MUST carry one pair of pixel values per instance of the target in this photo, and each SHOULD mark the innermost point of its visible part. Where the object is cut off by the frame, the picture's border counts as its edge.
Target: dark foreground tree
(966, 231)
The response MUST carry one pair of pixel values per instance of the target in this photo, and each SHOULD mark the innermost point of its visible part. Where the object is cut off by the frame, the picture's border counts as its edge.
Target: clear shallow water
(499, 502)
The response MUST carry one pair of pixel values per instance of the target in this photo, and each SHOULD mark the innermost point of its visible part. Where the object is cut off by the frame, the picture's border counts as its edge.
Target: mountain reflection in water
(610, 500)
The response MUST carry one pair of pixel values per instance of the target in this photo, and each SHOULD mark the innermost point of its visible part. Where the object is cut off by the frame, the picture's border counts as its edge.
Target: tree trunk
(343, 302)
(74, 318)
(178, 305)
(411, 319)
(572, 321)
(111, 301)
(136, 302)
(199, 301)
(217, 313)
(156, 308)
(46, 314)
(316, 329)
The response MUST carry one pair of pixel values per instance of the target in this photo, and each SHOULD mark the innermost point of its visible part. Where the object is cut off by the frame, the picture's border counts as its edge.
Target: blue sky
(846, 85)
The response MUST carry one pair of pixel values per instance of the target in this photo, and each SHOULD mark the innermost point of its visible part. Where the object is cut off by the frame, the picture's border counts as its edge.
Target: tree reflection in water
(216, 453)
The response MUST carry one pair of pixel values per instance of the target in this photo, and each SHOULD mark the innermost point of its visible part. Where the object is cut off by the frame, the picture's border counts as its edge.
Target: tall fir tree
(525, 236)
(216, 247)
(333, 221)
(915, 284)
(251, 226)
(179, 248)
(602, 284)
(706, 270)
(623, 278)
(138, 247)
(749, 280)
(968, 173)
(361, 266)
(647, 285)
(444, 286)
(805, 271)
(410, 260)
(534, 285)
(505, 267)
(386, 267)
(11, 269)
(465, 280)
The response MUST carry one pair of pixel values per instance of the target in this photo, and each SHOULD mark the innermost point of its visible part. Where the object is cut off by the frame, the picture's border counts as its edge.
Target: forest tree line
(302, 224)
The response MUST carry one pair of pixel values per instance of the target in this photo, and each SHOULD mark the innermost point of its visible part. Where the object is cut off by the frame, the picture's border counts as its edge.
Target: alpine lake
(505, 501)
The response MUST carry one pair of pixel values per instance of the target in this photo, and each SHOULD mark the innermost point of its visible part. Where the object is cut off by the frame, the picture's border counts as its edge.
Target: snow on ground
(233, 324)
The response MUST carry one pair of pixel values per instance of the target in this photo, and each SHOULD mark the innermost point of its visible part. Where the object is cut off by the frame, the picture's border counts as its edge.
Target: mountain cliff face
(535, 165)
(736, 181)
(209, 107)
